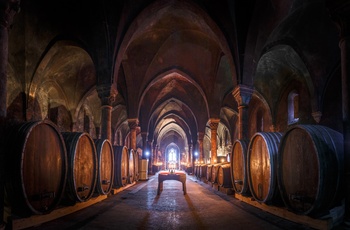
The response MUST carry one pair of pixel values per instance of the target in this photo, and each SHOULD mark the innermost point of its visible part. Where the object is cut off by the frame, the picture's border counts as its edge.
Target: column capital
(200, 136)
(214, 123)
(107, 93)
(8, 9)
(133, 123)
(243, 94)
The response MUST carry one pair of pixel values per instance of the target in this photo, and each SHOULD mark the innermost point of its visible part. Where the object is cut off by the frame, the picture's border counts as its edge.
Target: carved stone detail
(200, 136)
(133, 123)
(107, 93)
(243, 94)
(317, 116)
(214, 123)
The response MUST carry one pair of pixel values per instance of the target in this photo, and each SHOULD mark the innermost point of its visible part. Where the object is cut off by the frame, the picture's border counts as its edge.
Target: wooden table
(176, 175)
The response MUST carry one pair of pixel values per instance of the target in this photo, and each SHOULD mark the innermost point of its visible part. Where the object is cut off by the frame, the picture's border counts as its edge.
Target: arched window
(259, 121)
(293, 107)
(172, 155)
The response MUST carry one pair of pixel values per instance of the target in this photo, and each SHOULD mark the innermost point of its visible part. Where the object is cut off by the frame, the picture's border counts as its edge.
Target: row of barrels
(219, 173)
(302, 168)
(45, 168)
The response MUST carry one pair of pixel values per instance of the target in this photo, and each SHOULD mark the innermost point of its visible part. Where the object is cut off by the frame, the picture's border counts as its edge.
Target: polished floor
(139, 207)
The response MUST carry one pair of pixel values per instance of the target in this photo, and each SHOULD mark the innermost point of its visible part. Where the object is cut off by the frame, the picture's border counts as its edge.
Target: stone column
(144, 144)
(107, 94)
(213, 123)
(150, 156)
(133, 123)
(156, 154)
(345, 63)
(191, 156)
(340, 13)
(154, 146)
(8, 9)
(243, 95)
(200, 146)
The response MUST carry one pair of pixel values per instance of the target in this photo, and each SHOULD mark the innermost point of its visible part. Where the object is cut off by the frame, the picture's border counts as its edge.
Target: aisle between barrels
(139, 207)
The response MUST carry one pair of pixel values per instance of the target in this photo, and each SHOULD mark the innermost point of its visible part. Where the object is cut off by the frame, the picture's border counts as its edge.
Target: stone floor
(139, 207)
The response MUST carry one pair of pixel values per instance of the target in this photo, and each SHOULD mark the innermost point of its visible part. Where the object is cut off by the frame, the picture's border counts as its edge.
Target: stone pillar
(213, 123)
(144, 144)
(200, 146)
(156, 154)
(107, 94)
(150, 156)
(154, 146)
(340, 13)
(133, 123)
(243, 95)
(345, 62)
(8, 9)
(190, 152)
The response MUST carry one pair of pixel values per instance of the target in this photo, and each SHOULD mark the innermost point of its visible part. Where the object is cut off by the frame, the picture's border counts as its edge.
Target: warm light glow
(222, 160)
(215, 161)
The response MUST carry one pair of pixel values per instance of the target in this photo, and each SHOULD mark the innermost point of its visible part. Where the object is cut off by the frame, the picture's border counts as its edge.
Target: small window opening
(293, 107)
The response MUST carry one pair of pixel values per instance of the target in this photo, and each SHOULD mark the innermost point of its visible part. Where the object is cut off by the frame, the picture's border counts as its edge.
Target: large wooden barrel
(224, 175)
(214, 173)
(131, 167)
(208, 176)
(105, 171)
(196, 170)
(310, 169)
(120, 166)
(35, 167)
(238, 167)
(262, 166)
(203, 171)
(82, 166)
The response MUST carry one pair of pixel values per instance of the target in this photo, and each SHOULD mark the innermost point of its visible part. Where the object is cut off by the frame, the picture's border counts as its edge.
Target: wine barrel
(131, 167)
(120, 166)
(105, 170)
(310, 169)
(35, 167)
(238, 167)
(208, 176)
(214, 173)
(203, 171)
(224, 175)
(82, 166)
(196, 170)
(189, 170)
(261, 166)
